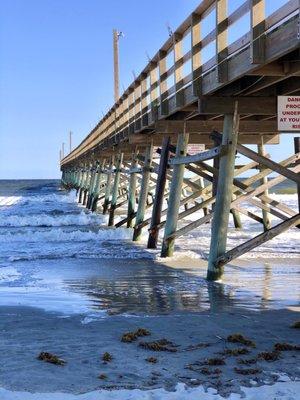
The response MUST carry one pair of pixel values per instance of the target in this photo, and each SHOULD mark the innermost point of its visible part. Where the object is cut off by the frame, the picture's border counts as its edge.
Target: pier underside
(163, 152)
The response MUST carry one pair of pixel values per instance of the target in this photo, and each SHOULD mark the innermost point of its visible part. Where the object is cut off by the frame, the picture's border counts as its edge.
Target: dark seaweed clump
(129, 337)
(239, 338)
(51, 358)
(159, 345)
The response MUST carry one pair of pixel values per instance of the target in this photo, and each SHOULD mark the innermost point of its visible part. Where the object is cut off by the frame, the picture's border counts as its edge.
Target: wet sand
(172, 303)
(25, 332)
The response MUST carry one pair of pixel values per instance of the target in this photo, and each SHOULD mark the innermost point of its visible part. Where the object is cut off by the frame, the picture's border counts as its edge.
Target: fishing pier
(170, 145)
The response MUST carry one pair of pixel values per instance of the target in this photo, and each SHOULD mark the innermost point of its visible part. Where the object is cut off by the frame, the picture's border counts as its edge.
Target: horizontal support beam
(246, 105)
(199, 138)
(257, 240)
(207, 126)
(205, 155)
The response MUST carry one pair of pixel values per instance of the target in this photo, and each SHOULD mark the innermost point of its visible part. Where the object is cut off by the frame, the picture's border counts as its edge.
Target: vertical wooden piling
(97, 186)
(265, 214)
(143, 193)
(108, 186)
(297, 150)
(131, 194)
(224, 195)
(174, 198)
(159, 194)
(115, 190)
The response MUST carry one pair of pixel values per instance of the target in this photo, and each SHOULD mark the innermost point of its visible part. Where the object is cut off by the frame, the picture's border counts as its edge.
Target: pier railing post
(115, 190)
(265, 214)
(224, 195)
(159, 194)
(174, 198)
(143, 193)
(132, 194)
(108, 186)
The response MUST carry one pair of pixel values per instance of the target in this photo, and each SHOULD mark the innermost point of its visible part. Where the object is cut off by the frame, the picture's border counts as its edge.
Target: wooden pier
(205, 90)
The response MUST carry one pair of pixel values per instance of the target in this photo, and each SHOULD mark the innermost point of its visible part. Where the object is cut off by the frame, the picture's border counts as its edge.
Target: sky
(56, 71)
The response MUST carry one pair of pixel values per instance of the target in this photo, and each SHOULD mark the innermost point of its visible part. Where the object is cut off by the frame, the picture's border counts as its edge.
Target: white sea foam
(81, 218)
(9, 200)
(8, 274)
(60, 235)
(281, 390)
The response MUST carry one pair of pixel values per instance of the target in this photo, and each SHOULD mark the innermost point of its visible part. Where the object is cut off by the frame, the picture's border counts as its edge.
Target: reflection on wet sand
(145, 287)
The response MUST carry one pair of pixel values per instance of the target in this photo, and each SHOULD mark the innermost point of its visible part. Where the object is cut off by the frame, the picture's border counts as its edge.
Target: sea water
(58, 256)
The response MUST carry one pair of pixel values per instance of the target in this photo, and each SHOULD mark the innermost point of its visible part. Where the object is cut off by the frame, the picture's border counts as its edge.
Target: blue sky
(56, 70)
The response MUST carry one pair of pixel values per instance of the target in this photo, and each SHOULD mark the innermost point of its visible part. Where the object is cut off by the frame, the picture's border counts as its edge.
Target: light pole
(116, 36)
(70, 140)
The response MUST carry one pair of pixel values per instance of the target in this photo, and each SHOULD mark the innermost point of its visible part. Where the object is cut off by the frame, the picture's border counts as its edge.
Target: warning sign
(288, 113)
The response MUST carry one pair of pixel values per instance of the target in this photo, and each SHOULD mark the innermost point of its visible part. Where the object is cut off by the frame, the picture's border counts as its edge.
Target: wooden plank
(247, 105)
(257, 15)
(269, 163)
(196, 54)
(205, 155)
(257, 241)
(221, 40)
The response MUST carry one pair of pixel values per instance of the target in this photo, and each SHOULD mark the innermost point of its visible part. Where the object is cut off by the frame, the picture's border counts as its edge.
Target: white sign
(288, 113)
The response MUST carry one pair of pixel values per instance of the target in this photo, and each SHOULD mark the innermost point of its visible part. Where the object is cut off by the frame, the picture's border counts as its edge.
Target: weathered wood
(205, 155)
(108, 187)
(115, 191)
(221, 40)
(265, 214)
(132, 193)
(159, 195)
(297, 151)
(174, 198)
(224, 193)
(257, 241)
(247, 105)
(143, 193)
(257, 14)
(269, 163)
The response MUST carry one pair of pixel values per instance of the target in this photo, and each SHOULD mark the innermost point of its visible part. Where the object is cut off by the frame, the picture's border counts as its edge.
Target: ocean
(71, 285)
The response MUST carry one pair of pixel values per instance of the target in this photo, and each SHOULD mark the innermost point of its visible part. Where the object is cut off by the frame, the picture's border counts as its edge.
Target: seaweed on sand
(51, 358)
(269, 355)
(129, 337)
(235, 352)
(239, 338)
(247, 371)
(285, 347)
(159, 345)
(107, 357)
